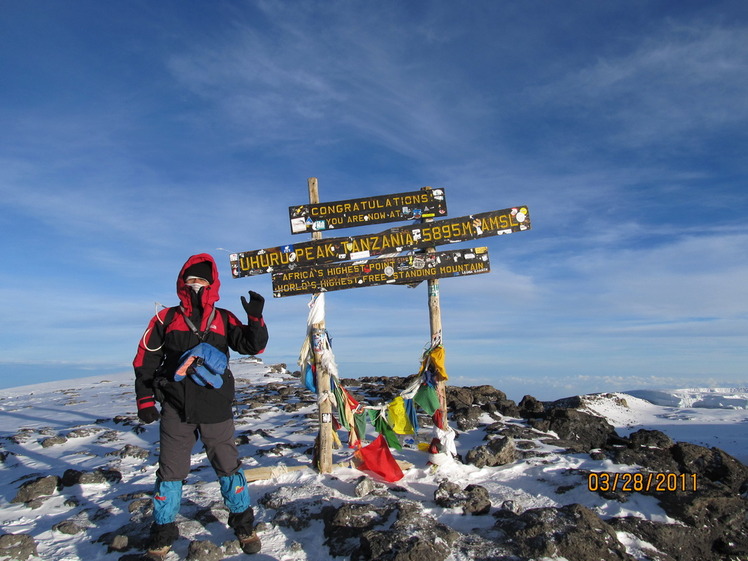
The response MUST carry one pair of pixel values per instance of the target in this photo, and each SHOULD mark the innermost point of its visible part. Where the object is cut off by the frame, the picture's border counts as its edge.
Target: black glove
(254, 306)
(147, 411)
(149, 414)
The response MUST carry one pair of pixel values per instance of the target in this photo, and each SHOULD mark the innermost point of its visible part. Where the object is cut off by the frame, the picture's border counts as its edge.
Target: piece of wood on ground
(271, 472)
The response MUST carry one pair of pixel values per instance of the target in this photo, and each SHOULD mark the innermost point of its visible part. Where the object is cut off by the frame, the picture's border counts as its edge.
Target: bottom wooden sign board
(399, 269)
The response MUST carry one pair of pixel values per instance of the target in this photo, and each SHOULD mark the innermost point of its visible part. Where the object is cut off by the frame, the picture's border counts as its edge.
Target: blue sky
(136, 134)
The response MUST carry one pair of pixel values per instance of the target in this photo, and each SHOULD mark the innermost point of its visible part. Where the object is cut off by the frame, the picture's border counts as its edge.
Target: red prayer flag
(377, 458)
(438, 419)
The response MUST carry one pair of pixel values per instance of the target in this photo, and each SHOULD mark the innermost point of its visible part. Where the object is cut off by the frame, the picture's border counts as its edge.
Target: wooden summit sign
(414, 205)
(378, 271)
(394, 240)
(322, 265)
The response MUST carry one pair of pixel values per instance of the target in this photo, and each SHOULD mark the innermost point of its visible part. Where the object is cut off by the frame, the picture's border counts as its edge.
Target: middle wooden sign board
(394, 240)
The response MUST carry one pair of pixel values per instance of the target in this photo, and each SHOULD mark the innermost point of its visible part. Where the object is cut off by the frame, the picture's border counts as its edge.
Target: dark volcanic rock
(131, 451)
(587, 431)
(345, 525)
(654, 459)
(459, 398)
(413, 536)
(498, 452)
(530, 408)
(467, 403)
(76, 477)
(466, 418)
(292, 512)
(572, 531)
(40, 487)
(673, 541)
(204, 551)
(718, 513)
(474, 499)
(132, 535)
(68, 527)
(53, 441)
(365, 532)
(17, 546)
(650, 439)
(712, 464)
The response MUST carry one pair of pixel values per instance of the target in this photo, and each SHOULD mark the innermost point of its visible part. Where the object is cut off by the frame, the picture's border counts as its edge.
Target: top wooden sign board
(415, 205)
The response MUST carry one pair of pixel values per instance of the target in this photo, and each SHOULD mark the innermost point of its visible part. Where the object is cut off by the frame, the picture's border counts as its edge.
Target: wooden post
(435, 324)
(325, 437)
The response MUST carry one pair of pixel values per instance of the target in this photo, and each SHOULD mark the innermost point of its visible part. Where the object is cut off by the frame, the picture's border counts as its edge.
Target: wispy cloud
(684, 79)
(690, 276)
(355, 77)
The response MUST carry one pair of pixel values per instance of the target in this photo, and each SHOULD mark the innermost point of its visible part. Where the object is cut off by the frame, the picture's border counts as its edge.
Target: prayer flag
(398, 417)
(427, 398)
(377, 458)
(383, 428)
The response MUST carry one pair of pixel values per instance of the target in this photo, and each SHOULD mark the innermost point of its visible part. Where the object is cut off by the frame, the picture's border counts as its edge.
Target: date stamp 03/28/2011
(653, 482)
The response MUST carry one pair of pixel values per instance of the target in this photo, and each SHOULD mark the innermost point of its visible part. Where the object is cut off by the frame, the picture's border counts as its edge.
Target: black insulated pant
(178, 439)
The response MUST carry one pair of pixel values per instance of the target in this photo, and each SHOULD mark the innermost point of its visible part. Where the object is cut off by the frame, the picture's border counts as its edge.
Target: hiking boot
(157, 554)
(159, 544)
(250, 543)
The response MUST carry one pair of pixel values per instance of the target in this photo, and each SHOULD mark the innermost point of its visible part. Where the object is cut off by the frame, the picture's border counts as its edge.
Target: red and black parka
(168, 337)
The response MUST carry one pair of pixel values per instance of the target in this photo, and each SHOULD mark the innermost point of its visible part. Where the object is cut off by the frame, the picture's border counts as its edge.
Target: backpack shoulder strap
(170, 313)
(194, 329)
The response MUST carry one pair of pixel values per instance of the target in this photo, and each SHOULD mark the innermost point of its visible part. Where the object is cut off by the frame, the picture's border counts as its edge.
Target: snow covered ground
(707, 417)
(89, 422)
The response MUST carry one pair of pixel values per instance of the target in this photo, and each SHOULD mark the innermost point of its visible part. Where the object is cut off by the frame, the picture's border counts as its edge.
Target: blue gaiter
(234, 492)
(166, 500)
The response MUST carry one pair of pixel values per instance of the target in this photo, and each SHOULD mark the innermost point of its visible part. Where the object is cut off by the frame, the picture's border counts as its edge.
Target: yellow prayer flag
(437, 357)
(398, 417)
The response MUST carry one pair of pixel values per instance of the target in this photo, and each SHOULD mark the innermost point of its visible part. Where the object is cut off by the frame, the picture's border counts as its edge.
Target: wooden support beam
(435, 326)
(319, 334)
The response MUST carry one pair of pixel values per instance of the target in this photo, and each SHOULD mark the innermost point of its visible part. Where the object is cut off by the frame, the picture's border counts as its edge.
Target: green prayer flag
(383, 427)
(341, 403)
(427, 398)
(359, 420)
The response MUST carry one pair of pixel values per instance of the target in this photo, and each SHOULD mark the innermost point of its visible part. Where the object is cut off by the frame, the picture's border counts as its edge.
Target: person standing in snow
(193, 405)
